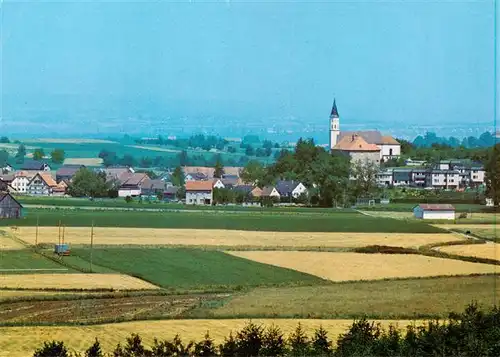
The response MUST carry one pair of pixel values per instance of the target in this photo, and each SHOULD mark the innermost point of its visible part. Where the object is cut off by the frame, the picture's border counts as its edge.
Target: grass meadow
(19, 261)
(192, 268)
(386, 299)
(252, 221)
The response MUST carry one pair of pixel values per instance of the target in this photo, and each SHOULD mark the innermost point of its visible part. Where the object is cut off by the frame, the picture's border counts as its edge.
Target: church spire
(334, 113)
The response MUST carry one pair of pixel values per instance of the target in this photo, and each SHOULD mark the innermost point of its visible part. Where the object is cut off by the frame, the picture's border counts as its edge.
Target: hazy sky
(418, 62)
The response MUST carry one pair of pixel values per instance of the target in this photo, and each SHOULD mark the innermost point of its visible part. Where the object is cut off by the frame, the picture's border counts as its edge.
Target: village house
(208, 172)
(246, 191)
(170, 193)
(195, 176)
(230, 180)
(151, 187)
(271, 192)
(6, 169)
(20, 182)
(34, 165)
(117, 174)
(444, 179)
(66, 172)
(290, 189)
(218, 184)
(5, 187)
(9, 207)
(42, 184)
(132, 185)
(434, 211)
(199, 192)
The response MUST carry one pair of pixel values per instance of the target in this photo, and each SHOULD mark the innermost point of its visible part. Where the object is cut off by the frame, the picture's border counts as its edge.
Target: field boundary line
(48, 269)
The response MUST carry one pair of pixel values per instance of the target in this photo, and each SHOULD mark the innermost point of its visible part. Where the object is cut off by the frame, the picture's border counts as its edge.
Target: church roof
(355, 142)
(389, 140)
(334, 113)
(370, 136)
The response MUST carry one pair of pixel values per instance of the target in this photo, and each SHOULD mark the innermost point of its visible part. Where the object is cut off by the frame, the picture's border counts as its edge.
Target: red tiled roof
(436, 207)
(199, 186)
(355, 143)
(389, 140)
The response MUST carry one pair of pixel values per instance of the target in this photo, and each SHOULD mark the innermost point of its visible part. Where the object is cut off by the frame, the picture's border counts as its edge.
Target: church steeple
(334, 125)
(334, 113)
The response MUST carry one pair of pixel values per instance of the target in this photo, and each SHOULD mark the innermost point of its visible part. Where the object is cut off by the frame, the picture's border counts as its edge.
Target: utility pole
(91, 244)
(36, 231)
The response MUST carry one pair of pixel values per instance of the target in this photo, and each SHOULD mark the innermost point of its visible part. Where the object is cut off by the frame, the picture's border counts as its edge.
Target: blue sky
(419, 62)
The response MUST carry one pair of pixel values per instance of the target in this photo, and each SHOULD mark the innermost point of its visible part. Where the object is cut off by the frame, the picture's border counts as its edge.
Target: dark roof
(69, 170)
(171, 190)
(199, 176)
(370, 136)
(32, 165)
(5, 194)
(149, 184)
(231, 180)
(285, 188)
(334, 113)
(243, 188)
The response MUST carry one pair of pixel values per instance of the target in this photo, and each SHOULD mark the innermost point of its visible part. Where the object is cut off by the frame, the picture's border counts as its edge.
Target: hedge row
(471, 333)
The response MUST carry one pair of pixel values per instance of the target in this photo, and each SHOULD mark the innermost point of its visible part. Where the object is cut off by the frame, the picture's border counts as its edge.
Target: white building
(20, 182)
(218, 184)
(434, 211)
(445, 179)
(199, 192)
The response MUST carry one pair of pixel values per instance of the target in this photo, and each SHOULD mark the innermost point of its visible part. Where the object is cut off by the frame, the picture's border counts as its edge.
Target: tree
(21, 153)
(253, 173)
(38, 154)
(492, 178)
(299, 343)
(52, 349)
(249, 151)
(109, 158)
(364, 174)
(177, 177)
(4, 158)
(273, 342)
(4, 140)
(249, 340)
(321, 345)
(87, 183)
(205, 347)
(57, 156)
(94, 350)
(219, 167)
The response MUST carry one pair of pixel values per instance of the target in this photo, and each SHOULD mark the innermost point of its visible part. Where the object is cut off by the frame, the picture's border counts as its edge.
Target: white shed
(434, 211)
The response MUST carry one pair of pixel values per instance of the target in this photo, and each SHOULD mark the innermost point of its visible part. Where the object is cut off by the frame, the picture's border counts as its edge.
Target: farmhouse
(152, 187)
(42, 184)
(199, 192)
(9, 207)
(218, 184)
(132, 186)
(290, 189)
(434, 211)
(270, 191)
(33, 165)
(117, 173)
(20, 181)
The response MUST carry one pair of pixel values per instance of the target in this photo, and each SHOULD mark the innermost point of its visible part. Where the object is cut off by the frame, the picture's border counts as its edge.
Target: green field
(398, 299)
(408, 207)
(253, 221)
(29, 260)
(192, 268)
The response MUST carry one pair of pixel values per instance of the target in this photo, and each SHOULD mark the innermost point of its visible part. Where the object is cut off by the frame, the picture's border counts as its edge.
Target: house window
(390, 152)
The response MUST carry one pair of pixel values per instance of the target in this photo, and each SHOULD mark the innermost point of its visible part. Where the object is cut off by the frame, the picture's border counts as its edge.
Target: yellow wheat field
(488, 250)
(22, 341)
(7, 243)
(357, 266)
(13, 294)
(74, 281)
(90, 161)
(214, 237)
(70, 141)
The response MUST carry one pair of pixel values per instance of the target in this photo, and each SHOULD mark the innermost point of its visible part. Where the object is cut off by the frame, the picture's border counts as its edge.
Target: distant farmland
(253, 221)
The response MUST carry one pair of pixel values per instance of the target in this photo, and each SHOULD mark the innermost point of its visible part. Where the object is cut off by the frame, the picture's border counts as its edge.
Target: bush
(52, 349)
(128, 199)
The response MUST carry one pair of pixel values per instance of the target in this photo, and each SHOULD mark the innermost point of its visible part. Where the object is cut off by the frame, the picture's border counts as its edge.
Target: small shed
(9, 206)
(434, 211)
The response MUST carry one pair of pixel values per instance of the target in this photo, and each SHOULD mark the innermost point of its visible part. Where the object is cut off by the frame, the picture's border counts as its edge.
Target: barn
(9, 207)
(434, 211)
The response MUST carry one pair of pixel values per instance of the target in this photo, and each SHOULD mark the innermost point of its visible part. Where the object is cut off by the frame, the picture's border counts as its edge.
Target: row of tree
(56, 156)
(486, 139)
(467, 334)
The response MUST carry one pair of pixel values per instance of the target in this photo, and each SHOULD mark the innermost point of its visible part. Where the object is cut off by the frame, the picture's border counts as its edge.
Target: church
(362, 145)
